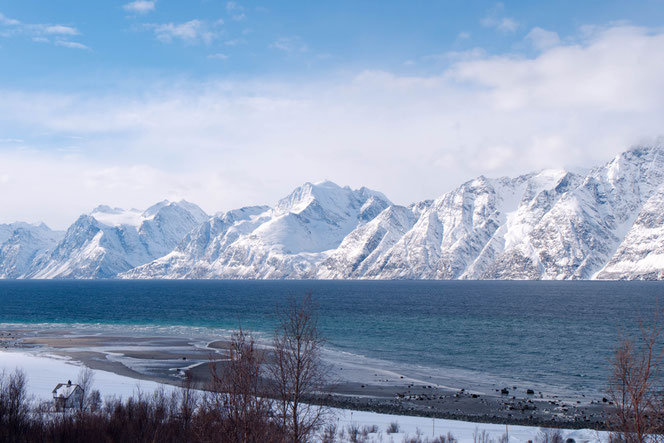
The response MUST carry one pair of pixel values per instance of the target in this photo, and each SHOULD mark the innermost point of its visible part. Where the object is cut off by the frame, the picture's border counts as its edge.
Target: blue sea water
(556, 334)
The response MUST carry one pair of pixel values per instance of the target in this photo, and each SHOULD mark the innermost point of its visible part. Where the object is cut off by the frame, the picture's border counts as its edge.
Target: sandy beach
(165, 359)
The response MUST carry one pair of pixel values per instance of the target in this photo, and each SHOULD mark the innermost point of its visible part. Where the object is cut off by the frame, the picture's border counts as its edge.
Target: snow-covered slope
(23, 243)
(463, 232)
(200, 249)
(288, 241)
(360, 250)
(583, 231)
(641, 253)
(110, 240)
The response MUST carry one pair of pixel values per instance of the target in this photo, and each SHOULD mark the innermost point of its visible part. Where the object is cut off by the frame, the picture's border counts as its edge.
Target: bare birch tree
(633, 390)
(14, 404)
(298, 372)
(239, 395)
(84, 381)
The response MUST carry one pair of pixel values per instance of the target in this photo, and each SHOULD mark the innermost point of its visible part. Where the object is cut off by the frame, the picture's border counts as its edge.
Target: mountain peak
(302, 196)
(135, 217)
(328, 195)
(199, 215)
(152, 210)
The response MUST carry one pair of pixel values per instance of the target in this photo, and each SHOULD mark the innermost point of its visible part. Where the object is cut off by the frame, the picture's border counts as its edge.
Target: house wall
(72, 402)
(74, 399)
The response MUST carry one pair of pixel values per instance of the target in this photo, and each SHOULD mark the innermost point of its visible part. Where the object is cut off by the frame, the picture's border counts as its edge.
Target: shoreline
(164, 359)
(44, 371)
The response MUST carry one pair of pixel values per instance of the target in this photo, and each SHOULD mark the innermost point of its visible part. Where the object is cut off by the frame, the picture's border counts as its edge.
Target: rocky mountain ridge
(553, 224)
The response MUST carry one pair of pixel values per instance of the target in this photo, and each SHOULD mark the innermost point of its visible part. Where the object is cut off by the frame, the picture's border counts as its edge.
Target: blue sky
(204, 39)
(232, 103)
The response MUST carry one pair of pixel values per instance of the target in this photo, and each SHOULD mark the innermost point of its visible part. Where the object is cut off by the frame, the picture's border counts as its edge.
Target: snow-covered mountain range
(554, 224)
(109, 241)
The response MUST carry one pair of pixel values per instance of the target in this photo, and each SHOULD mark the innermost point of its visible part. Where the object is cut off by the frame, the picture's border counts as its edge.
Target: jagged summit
(327, 195)
(551, 224)
(109, 241)
(261, 242)
(135, 217)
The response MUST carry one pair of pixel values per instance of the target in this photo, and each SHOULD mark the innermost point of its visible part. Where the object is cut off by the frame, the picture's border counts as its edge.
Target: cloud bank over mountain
(553, 102)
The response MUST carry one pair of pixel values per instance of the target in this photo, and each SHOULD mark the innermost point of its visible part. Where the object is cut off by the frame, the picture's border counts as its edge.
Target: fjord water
(556, 334)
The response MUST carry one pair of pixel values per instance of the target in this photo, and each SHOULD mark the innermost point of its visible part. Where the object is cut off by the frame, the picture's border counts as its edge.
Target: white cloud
(230, 143)
(70, 44)
(4, 20)
(60, 30)
(503, 24)
(39, 33)
(289, 44)
(456, 56)
(507, 25)
(618, 69)
(193, 31)
(236, 11)
(57, 179)
(496, 19)
(542, 39)
(140, 6)
(218, 56)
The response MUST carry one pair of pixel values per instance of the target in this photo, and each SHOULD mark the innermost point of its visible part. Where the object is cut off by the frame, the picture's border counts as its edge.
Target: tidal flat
(352, 384)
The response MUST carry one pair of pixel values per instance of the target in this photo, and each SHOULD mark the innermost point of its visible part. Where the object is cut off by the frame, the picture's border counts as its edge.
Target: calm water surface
(557, 333)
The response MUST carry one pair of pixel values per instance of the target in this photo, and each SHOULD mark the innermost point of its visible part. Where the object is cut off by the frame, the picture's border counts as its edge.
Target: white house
(67, 395)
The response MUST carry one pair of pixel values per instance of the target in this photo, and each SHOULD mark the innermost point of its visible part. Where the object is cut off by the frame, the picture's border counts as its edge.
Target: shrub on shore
(636, 406)
(181, 415)
(178, 416)
(549, 436)
(393, 428)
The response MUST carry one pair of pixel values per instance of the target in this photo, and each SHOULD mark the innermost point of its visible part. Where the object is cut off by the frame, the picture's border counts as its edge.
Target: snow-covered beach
(44, 371)
(124, 366)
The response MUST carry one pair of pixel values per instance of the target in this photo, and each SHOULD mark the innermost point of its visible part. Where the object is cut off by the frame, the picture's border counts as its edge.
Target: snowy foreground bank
(46, 371)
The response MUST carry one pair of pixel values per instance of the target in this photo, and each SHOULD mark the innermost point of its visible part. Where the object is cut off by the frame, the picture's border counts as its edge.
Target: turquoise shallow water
(559, 334)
